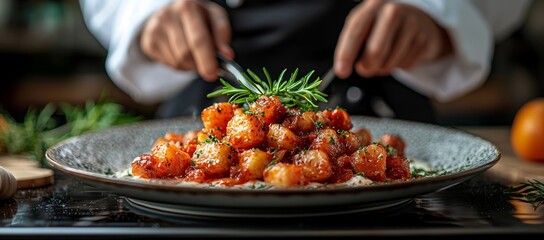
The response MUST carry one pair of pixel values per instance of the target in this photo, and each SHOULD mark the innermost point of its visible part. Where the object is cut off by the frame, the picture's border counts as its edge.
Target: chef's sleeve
(116, 25)
(474, 26)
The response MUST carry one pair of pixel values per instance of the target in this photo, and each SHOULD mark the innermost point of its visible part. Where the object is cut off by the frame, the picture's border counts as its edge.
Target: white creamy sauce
(419, 164)
(357, 180)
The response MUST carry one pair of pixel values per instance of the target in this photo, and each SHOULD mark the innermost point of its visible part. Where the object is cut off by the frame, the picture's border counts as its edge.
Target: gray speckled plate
(90, 157)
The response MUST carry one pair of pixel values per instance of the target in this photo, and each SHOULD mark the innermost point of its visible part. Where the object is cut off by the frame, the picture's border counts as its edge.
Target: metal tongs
(233, 72)
(326, 80)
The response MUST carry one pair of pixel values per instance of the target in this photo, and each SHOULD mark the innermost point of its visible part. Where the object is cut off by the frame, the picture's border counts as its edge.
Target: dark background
(48, 55)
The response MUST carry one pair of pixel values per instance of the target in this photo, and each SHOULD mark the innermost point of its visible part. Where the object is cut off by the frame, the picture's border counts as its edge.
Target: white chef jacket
(473, 25)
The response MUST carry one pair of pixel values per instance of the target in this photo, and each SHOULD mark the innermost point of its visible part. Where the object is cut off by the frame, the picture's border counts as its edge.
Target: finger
(181, 52)
(416, 52)
(166, 53)
(220, 26)
(150, 38)
(154, 53)
(401, 45)
(353, 35)
(199, 39)
(362, 70)
(150, 48)
(381, 38)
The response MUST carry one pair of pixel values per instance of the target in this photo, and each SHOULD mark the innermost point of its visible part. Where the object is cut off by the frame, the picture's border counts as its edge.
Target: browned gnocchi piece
(245, 131)
(324, 119)
(341, 119)
(214, 158)
(398, 168)
(217, 116)
(207, 134)
(253, 162)
(174, 137)
(190, 137)
(171, 161)
(281, 138)
(144, 166)
(365, 136)
(394, 141)
(352, 141)
(301, 123)
(330, 142)
(371, 161)
(316, 165)
(284, 175)
(268, 109)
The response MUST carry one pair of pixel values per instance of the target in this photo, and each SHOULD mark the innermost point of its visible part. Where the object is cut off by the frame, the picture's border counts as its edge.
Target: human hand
(186, 35)
(388, 35)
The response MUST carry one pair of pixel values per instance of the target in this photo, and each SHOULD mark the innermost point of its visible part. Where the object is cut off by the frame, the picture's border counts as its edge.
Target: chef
(391, 58)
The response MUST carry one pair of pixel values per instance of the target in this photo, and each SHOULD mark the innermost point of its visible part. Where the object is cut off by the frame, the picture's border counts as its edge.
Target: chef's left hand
(379, 36)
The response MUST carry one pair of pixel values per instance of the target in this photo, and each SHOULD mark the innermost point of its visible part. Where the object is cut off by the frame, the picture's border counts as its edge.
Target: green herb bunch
(40, 130)
(292, 92)
(531, 192)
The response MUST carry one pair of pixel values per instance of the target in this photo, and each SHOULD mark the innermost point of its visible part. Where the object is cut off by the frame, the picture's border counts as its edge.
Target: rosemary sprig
(531, 192)
(292, 92)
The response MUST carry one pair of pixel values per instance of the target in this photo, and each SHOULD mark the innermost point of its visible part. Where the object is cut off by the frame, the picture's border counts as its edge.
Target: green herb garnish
(109, 172)
(41, 129)
(318, 125)
(211, 139)
(273, 162)
(292, 92)
(419, 172)
(392, 151)
(197, 153)
(531, 192)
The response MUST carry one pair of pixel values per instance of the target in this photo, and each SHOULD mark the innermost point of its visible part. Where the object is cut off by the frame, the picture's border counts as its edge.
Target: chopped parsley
(318, 125)
(273, 162)
(360, 174)
(342, 132)
(211, 139)
(109, 172)
(391, 150)
(249, 112)
(419, 172)
(198, 153)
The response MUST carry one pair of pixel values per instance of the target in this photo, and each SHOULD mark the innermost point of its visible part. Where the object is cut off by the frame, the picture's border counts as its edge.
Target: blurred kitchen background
(47, 55)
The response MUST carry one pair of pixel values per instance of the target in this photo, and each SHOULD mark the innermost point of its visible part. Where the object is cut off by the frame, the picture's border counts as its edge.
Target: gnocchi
(268, 142)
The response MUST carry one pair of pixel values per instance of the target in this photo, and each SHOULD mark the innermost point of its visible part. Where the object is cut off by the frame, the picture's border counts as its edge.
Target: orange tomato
(527, 134)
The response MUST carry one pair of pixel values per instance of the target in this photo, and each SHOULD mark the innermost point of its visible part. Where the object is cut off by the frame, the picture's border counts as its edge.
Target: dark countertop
(72, 209)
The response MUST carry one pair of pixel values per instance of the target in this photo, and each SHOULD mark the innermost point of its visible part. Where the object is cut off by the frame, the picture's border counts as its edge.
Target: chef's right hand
(186, 35)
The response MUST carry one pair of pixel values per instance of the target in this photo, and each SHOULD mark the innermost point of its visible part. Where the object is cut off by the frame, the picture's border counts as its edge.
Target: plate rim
(178, 210)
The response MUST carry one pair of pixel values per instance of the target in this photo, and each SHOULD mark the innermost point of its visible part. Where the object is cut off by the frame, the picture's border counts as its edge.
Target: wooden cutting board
(27, 172)
(510, 166)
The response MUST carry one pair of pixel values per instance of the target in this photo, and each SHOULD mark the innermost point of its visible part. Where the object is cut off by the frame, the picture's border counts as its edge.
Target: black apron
(302, 34)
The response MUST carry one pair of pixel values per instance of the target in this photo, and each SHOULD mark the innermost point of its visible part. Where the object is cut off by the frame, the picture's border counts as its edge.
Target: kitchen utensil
(233, 72)
(326, 80)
